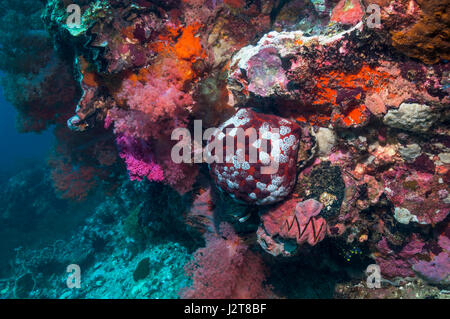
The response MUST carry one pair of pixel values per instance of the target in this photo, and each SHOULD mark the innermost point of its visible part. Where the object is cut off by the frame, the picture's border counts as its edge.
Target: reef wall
(358, 91)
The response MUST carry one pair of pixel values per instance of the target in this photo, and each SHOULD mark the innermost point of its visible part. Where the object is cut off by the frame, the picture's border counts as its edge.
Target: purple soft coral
(138, 158)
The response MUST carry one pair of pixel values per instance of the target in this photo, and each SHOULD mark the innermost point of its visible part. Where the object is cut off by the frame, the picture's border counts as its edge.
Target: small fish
(245, 218)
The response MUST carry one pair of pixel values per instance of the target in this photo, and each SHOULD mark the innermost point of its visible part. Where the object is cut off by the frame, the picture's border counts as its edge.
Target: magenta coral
(418, 192)
(399, 264)
(138, 158)
(437, 270)
(180, 176)
(144, 159)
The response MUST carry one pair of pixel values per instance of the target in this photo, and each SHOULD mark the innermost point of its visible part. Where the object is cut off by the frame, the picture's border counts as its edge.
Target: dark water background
(19, 150)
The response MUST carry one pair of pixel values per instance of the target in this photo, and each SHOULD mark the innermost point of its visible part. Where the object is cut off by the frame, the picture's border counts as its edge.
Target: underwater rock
(265, 73)
(436, 271)
(410, 152)
(398, 289)
(24, 286)
(322, 7)
(427, 37)
(279, 46)
(299, 14)
(347, 12)
(142, 270)
(418, 193)
(403, 216)
(411, 116)
(324, 183)
(398, 264)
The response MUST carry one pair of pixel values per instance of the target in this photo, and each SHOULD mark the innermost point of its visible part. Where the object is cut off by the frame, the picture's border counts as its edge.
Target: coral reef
(354, 116)
(415, 289)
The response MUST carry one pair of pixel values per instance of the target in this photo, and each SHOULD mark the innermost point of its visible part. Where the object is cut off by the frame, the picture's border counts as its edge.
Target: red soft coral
(226, 268)
(72, 182)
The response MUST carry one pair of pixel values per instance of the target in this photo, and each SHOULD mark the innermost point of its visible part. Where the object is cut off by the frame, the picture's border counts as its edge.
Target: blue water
(19, 149)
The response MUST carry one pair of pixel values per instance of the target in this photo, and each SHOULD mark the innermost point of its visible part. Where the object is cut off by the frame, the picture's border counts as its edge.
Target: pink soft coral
(155, 108)
(156, 105)
(180, 176)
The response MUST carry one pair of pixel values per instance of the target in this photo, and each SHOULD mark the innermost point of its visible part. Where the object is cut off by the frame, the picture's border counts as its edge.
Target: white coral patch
(232, 185)
(261, 186)
(283, 159)
(241, 118)
(285, 130)
(289, 140)
(277, 180)
(236, 163)
(264, 158)
(257, 143)
(404, 216)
